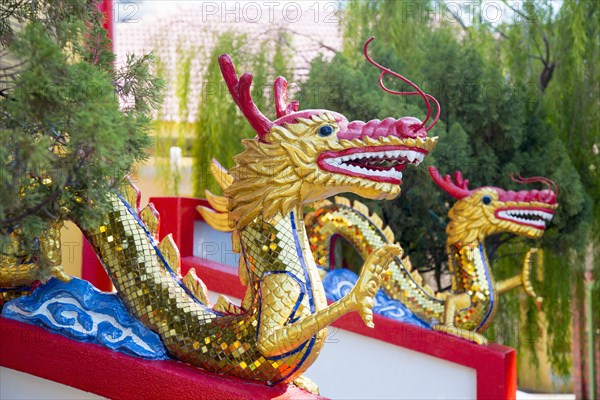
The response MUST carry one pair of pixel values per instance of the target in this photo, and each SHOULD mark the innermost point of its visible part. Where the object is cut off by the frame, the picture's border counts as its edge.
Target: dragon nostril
(547, 196)
(410, 128)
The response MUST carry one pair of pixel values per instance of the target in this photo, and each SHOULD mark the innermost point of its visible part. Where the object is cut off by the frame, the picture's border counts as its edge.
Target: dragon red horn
(282, 107)
(458, 189)
(240, 92)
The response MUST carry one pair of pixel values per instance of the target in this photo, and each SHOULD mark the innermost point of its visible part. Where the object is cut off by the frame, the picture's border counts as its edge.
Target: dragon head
(309, 155)
(490, 210)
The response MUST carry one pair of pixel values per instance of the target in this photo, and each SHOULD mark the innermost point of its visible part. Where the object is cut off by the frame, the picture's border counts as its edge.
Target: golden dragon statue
(22, 271)
(301, 157)
(469, 306)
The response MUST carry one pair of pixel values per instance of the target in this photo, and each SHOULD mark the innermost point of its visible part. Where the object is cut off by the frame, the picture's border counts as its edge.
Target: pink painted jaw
(534, 217)
(378, 163)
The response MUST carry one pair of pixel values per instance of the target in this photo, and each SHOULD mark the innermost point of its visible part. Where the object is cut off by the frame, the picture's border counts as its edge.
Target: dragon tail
(126, 242)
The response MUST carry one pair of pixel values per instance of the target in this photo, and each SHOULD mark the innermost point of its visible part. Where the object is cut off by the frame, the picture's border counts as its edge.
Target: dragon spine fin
(216, 220)
(221, 175)
(320, 204)
(377, 221)
(196, 286)
(131, 194)
(219, 203)
(389, 234)
(170, 252)
(342, 201)
(361, 208)
(151, 219)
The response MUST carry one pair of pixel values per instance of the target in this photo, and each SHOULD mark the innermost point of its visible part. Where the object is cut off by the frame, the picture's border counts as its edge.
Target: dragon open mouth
(377, 163)
(534, 217)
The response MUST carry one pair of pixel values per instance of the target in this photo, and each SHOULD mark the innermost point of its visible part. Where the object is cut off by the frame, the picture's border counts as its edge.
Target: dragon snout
(545, 196)
(403, 128)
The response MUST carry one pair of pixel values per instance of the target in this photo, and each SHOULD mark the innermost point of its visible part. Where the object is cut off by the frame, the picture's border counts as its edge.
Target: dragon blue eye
(486, 199)
(326, 130)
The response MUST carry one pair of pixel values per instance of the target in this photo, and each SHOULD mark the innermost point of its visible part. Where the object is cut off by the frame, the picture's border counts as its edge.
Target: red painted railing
(495, 365)
(114, 375)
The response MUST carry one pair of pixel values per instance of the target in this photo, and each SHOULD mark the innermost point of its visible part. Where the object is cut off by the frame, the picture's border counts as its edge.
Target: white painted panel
(16, 385)
(353, 366)
(213, 245)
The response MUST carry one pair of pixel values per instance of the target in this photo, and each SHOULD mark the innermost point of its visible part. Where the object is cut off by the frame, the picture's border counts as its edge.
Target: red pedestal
(98, 370)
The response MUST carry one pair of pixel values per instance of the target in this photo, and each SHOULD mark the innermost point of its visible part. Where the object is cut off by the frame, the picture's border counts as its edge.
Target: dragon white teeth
(391, 156)
(410, 155)
(517, 215)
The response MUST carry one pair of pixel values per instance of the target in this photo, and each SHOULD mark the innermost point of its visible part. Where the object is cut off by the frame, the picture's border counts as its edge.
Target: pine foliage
(65, 142)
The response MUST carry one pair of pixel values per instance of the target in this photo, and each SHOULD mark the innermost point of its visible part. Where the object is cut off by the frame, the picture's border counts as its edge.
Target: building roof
(314, 29)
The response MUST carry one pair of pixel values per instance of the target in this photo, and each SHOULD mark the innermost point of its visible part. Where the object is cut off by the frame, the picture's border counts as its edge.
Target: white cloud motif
(96, 317)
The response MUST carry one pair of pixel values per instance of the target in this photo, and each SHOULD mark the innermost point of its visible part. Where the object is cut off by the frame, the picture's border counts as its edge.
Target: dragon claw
(370, 278)
(305, 383)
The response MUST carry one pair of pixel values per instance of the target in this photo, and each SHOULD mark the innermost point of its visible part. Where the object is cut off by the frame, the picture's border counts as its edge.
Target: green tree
(220, 127)
(529, 113)
(65, 142)
(557, 52)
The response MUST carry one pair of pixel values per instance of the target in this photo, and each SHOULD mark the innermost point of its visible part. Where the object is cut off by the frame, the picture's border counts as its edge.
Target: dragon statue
(469, 306)
(299, 158)
(22, 271)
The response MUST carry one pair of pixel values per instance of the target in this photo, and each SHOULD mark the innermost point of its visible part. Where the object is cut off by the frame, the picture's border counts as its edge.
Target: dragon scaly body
(477, 214)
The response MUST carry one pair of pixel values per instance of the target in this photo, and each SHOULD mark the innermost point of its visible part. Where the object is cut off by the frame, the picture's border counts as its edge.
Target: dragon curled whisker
(550, 184)
(426, 97)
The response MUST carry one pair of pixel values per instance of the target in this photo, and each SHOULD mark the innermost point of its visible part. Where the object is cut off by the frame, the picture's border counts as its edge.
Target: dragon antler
(458, 189)
(240, 92)
(282, 107)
